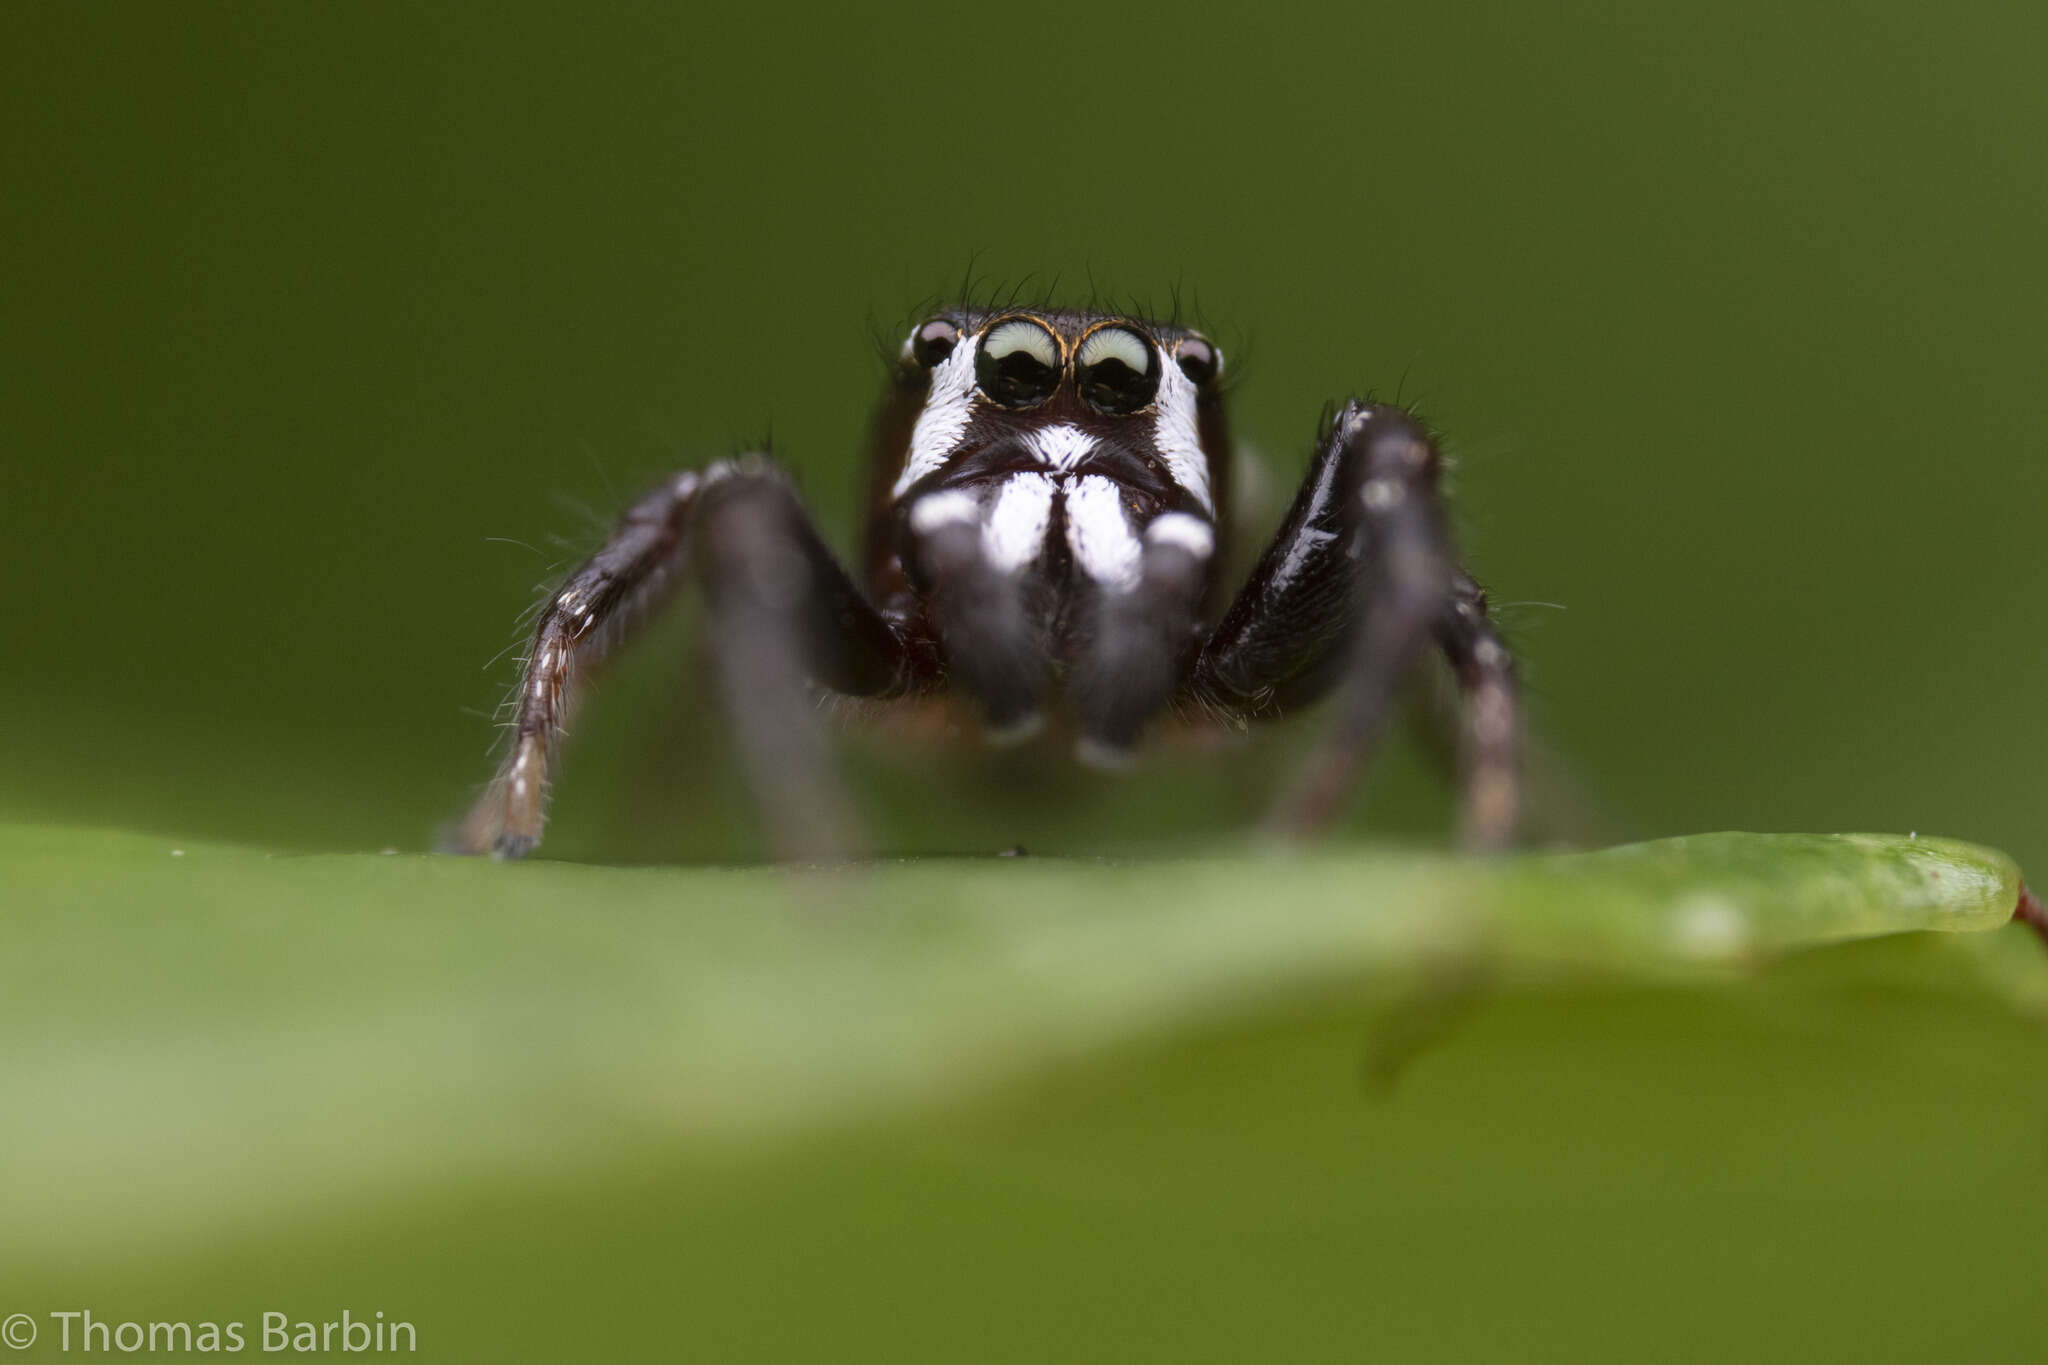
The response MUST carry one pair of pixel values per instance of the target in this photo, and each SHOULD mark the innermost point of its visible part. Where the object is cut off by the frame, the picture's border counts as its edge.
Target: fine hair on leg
(596, 608)
(782, 615)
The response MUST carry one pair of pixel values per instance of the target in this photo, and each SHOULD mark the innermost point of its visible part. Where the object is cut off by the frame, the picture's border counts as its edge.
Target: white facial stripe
(1192, 534)
(1100, 535)
(942, 508)
(1178, 438)
(1062, 447)
(1015, 534)
(1117, 343)
(944, 419)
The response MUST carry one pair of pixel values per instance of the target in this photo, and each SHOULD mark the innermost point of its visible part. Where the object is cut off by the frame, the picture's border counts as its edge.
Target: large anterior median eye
(1019, 363)
(1118, 370)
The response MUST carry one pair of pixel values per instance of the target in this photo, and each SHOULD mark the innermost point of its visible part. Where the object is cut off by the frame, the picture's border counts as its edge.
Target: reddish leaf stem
(2032, 913)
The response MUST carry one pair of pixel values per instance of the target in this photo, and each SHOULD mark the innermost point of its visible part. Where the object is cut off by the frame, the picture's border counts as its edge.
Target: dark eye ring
(1199, 361)
(1117, 370)
(1018, 364)
(933, 341)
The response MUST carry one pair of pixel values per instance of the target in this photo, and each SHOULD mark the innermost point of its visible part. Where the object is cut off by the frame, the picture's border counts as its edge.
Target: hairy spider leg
(783, 614)
(781, 611)
(1491, 743)
(632, 573)
(1359, 578)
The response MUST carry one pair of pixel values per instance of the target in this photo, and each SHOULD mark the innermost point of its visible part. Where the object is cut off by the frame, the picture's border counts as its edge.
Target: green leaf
(222, 1040)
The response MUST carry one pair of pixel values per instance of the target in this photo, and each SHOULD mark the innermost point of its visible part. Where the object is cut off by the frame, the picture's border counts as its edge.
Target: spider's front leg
(782, 615)
(610, 593)
(1361, 577)
(781, 612)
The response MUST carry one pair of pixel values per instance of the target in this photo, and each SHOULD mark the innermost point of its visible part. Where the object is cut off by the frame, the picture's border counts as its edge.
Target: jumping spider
(1042, 532)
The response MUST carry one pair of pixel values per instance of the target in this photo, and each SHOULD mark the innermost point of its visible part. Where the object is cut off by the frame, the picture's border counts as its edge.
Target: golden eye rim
(1148, 343)
(1154, 370)
(1056, 369)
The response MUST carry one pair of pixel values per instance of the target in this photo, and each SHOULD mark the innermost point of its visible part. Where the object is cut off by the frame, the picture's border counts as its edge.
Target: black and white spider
(1042, 538)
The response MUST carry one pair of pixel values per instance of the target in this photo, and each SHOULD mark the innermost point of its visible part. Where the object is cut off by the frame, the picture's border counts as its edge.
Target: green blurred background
(1733, 314)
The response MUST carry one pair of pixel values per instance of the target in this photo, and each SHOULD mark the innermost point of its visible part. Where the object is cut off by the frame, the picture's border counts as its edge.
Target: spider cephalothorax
(1048, 455)
(1042, 536)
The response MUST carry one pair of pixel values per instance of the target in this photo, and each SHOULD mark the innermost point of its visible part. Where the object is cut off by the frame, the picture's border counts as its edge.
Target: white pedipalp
(947, 409)
(1100, 535)
(943, 508)
(1188, 532)
(1178, 435)
(1015, 533)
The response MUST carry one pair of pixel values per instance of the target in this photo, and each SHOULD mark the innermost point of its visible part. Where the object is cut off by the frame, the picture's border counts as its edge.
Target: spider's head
(1066, 394)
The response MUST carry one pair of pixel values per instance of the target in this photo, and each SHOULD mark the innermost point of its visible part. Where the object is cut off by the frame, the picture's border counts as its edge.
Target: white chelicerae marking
(1175, 432)
(943, 508)
(1100, 535)
(1190, 533)
(1015, 533)
(1063, 446)
(944, 420)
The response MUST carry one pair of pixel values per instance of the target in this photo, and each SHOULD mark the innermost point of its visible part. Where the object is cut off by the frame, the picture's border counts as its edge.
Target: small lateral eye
(1199, 360)
(1018, 364)
(1118, 370)
(933, 341)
